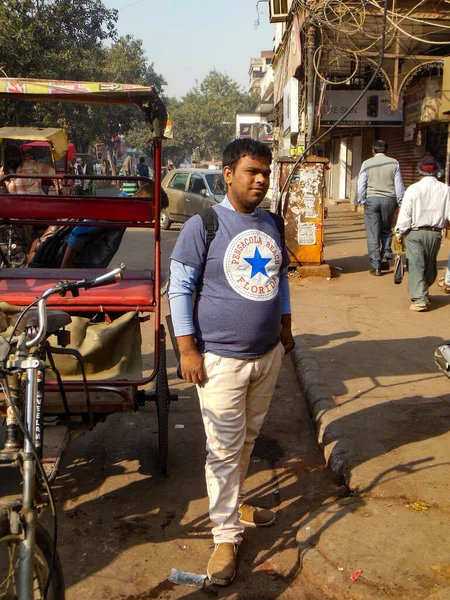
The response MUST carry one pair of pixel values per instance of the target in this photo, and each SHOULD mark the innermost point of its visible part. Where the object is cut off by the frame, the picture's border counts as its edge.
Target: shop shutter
(408, 154)
(367, 138)
(356, 165)
(335, 168)
(348, 168)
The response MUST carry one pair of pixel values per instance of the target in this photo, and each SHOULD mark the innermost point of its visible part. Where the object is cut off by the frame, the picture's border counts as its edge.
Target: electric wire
(342, 117)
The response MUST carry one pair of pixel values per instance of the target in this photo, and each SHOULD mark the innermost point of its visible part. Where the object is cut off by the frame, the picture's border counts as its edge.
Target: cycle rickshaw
(28, 352)
(49, 145)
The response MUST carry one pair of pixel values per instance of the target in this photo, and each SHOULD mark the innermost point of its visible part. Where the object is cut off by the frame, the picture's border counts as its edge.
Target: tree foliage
(66, 39)
(204, 119)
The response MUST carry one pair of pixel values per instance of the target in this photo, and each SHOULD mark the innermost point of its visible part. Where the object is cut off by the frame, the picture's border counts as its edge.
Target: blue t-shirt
(238, 306)
(142, 169)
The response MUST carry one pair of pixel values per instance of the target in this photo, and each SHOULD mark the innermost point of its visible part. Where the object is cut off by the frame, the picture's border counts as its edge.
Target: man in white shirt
(424, 213)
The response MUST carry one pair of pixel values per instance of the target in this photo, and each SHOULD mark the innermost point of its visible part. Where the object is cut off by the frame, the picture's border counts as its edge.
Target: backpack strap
(279, 222)
(211, 225)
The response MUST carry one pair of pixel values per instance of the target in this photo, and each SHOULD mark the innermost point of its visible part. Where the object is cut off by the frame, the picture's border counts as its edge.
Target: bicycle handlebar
(114, 276)
(62, 288)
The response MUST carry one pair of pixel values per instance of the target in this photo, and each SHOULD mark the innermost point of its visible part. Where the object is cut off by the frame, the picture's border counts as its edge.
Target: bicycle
(29, 564)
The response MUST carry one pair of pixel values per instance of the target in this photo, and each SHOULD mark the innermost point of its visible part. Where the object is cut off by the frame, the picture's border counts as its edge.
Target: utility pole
(310, 92)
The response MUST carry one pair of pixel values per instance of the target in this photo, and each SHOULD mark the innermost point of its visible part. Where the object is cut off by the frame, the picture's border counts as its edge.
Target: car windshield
(216, 183)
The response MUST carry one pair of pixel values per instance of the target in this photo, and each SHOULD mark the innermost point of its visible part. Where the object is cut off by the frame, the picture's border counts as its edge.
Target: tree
(204, 119)
(126, 61)
(60, 39)
(65, 39)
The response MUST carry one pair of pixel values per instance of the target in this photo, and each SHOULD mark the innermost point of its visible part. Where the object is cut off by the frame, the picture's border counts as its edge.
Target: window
(179, 181)
(216, 183)
(278, 11)
(196, 184)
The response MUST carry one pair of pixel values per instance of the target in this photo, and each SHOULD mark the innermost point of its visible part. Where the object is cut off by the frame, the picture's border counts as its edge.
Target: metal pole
(311, 48)
(158, 157)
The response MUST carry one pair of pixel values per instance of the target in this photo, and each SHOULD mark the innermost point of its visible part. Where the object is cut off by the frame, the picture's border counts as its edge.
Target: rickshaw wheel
(162, 403)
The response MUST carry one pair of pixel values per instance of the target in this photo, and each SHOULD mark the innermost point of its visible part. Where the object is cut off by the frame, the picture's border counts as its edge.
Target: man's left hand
(287, 339)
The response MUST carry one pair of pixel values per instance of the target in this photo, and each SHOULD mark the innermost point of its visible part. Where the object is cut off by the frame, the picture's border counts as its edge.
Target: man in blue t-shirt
(142, 168)
(232, 342)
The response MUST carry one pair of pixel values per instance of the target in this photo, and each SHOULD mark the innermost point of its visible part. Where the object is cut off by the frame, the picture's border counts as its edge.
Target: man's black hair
(142, 159)
(245, 147)
(379, 146)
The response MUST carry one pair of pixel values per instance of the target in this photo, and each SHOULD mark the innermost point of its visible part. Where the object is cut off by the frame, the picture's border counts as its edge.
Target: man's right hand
(191, 366)
(191, 361)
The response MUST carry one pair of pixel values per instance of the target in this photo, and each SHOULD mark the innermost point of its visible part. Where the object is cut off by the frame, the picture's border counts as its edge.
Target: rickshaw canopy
(56, 138)
(89, 92)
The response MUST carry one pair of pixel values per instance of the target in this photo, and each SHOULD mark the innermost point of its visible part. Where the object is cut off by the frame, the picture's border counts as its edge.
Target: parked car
(190, 191)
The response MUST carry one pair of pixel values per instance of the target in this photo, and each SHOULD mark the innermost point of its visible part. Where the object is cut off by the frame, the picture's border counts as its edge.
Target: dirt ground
(123, 527)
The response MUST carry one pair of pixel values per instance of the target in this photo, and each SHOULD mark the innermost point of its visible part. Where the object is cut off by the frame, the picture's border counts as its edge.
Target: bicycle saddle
(56, 319)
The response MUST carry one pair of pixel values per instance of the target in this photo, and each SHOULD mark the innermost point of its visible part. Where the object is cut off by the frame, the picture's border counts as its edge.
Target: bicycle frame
(27, 362)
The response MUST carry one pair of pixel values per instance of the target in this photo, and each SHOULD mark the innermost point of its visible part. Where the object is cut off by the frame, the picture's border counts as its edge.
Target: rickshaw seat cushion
(19, 287)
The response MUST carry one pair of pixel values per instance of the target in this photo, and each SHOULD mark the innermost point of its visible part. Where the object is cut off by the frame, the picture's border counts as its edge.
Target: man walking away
(380, 190)
(81, 185)
(129, 188)
(142, 168)
(424, 213)
(232, 343)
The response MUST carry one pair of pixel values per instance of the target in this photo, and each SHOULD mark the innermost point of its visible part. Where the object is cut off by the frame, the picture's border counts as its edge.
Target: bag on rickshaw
(97, 253)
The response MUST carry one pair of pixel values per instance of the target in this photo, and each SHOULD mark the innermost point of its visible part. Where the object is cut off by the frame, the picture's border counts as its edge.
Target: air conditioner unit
(279, 10)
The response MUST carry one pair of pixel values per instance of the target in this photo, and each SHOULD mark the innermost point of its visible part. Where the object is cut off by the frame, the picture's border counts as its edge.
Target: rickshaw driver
(90, 244)
(15, 164)
(81, 236)
(232, 346)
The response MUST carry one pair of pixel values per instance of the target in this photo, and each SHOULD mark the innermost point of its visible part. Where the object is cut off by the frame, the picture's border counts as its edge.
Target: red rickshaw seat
(19, 287)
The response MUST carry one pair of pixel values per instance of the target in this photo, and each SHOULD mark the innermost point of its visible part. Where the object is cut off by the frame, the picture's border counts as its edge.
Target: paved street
(123, 527)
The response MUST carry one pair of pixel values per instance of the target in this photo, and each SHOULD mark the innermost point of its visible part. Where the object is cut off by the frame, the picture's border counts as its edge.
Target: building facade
(326, 52)
(258, 123)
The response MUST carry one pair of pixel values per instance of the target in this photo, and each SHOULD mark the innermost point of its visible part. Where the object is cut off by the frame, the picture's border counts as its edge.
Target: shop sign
(446, 87)
(297, 150)
(409, 132)
(373, 108)
(423, 102)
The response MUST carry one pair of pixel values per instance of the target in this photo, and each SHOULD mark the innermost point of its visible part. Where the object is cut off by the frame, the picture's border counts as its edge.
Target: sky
(185, 39)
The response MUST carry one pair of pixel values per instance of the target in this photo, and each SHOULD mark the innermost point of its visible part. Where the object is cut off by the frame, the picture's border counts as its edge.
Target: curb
(320, 403)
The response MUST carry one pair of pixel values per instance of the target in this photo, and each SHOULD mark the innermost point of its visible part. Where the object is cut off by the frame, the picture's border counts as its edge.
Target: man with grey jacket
(380, 191)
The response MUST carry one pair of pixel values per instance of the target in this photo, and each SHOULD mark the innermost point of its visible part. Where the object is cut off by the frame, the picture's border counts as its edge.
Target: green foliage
(65, 39)
(205, 117)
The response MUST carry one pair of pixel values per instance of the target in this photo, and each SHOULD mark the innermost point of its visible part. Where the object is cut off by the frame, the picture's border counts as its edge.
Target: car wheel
(164, 219)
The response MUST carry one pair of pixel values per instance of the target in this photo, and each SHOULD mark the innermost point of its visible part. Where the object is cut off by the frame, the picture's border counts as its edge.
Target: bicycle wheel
(162, 403)
(9, 561)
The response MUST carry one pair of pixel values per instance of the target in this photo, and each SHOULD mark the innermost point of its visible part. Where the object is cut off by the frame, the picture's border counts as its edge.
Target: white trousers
(234, 400)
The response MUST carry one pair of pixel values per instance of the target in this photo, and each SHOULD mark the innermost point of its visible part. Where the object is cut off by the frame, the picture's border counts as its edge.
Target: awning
(57, 138)
(446, 87)
(90, 92)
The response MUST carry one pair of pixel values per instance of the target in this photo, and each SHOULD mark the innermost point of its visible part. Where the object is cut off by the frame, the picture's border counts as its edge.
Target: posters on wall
(306, 234)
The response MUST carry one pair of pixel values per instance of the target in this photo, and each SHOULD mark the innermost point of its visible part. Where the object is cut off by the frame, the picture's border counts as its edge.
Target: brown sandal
(441, 284)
